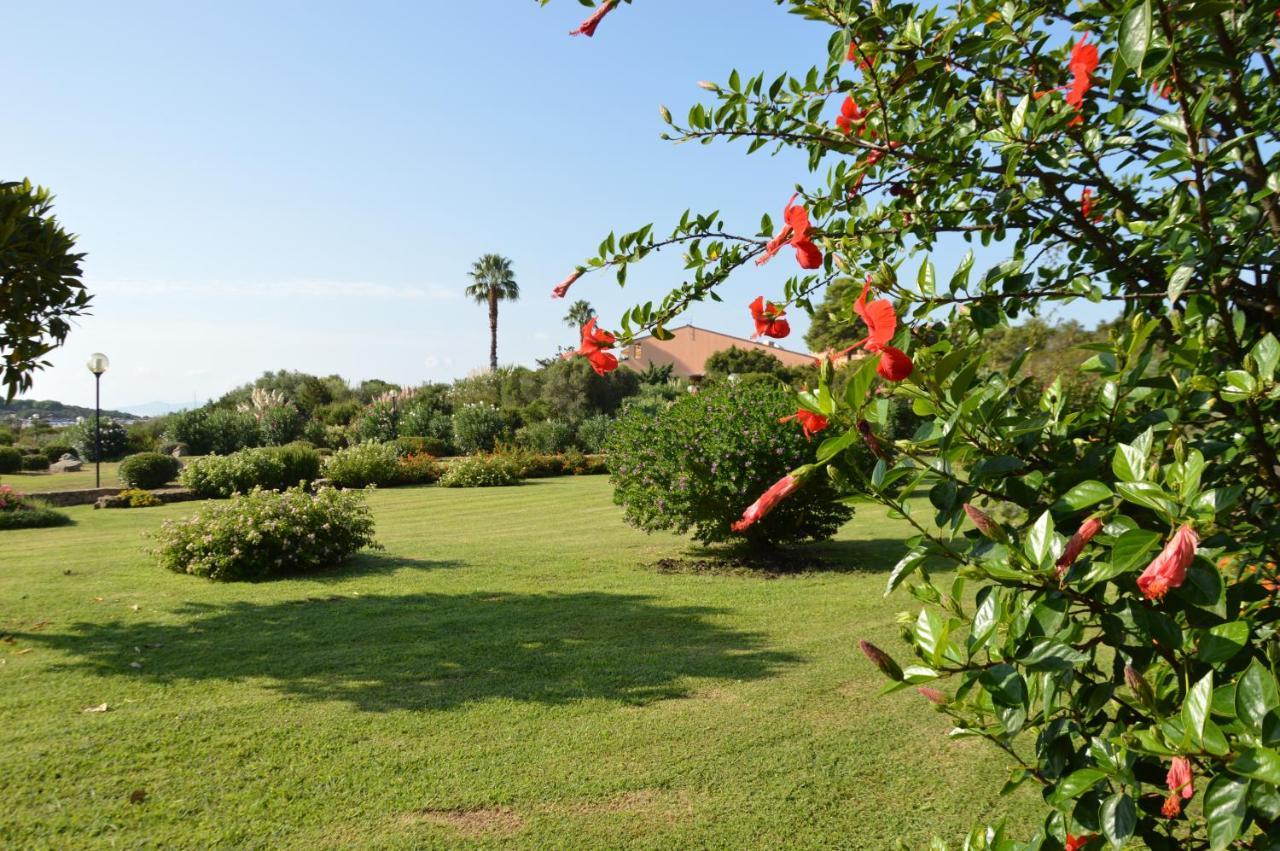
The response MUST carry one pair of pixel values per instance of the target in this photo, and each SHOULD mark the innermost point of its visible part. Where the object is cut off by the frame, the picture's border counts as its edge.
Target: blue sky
(304, 185)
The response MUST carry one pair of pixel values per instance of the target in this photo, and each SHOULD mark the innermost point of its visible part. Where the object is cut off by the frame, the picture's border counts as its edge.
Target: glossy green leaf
(1225, 805)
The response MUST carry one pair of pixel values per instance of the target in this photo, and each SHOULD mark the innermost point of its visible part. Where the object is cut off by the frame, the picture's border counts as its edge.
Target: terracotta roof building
(689, 347)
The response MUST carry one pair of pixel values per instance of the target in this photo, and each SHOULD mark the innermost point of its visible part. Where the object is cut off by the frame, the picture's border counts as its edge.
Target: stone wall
(88, 496)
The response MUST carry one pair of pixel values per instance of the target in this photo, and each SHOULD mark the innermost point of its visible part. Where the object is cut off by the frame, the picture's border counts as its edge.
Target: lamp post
(97, 364)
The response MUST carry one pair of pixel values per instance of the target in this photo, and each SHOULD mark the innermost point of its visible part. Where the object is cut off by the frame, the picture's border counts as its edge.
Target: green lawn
(508, 672)
(41, 482)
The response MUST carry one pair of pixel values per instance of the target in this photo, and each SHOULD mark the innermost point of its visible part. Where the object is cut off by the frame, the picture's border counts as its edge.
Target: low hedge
(10, 460)
(364, 464)
(268, 467)
(481, 471)
(18, 511)
(35, 464)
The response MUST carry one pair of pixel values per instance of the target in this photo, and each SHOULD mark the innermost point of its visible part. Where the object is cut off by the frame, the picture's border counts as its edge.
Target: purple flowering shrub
(692, 467)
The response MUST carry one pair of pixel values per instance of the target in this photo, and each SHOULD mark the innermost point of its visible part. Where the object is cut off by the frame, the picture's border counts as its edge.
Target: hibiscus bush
(692, 467)
(1107, 616)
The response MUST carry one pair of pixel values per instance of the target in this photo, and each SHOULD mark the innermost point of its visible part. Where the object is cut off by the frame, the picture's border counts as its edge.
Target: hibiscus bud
(709, 86)
(870, 439)
(1076, 545)
(933, 695)
(985, 524)
(562, 288)
(881, 660)
(1138, 685)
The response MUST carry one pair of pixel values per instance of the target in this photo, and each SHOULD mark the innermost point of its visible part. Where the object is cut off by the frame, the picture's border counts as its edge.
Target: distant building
(689, 347)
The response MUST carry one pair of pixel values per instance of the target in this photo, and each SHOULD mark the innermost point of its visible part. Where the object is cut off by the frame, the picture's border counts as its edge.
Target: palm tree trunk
(493, 330)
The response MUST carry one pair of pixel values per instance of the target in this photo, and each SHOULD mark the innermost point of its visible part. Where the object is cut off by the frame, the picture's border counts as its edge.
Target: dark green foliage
(263, 534)
(10, 460)
(656, 373)
(40, 286)
(55, 451)
(148, 470)
(115, 440)
(477, 428)
(736, 361)
(550, 437)
(377, 422)
(697, 465)
(35, 463)
(339, 413)
(280, 424)
(214, 431)
(36, 515)
(593, 433)
(572, 390)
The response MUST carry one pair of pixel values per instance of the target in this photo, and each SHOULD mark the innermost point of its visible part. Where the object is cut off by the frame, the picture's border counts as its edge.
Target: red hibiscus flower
(1179, 782)
(595, 346)
(768, 501)
(1169, 569)
(856, 54)
(562, 288)
(1086, 206)
(769, 318)
(882, 322)
(588, 27)
(1075, 843)
(1076, 545)
(850, 115)
(810, 423)
(1084, 61)
(796, 231)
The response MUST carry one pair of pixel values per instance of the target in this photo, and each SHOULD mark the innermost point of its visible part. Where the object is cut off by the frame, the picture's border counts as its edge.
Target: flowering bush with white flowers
(262, 534)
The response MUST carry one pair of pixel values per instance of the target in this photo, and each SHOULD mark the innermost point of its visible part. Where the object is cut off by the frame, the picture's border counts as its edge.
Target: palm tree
(580, 313)
(492, 282)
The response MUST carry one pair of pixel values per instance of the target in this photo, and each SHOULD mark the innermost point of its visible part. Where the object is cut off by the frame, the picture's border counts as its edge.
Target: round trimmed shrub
(270, 468)
(10, 460)
(18, 511)
(35, 463)
(697, 465)
(148, 470)
(364, 464)
(264, 533)
(54, 451)
(115, 440)
(593, 433)
(550, 437)
(476, 428)
(480, 471)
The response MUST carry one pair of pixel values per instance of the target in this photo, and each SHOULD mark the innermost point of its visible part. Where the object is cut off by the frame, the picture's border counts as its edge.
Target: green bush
(35, 463)
(115, 440)
(135, 498)
(477, 428)
(529, 464)
(411, 445)
(480, 471)
(593, 433)
(18, 511)
(214, 431)
(338, 413)
(280, 424)
(698, 464)
(263, 534)
(377, 423)
(7, 437)
(149, 470)
(54, 451)
(270, 468)
(364, 464)
(418, 469)
(549, 437)
(577, 464)
(10, 460)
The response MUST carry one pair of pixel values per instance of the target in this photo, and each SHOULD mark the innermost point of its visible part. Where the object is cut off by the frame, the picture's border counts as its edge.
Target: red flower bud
(562, 288)
(881, 660)
(985, 524)
(768, 500)
(588, 27)
(1076, 544)
(933, 695)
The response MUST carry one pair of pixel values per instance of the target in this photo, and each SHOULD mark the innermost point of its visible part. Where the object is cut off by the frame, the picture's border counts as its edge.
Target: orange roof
(688, 349)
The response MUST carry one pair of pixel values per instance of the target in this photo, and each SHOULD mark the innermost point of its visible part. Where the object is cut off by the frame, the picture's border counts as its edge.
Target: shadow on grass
(878, 555)
(432, 651)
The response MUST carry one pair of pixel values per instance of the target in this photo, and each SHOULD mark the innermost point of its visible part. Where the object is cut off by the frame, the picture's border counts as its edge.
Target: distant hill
(50, 409)
(155, 409)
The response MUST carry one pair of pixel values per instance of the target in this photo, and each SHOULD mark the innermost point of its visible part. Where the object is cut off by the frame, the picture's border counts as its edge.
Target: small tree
(40, 286)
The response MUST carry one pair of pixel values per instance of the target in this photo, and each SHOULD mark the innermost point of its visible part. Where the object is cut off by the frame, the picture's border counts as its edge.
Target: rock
(68, 463)
(115, 501)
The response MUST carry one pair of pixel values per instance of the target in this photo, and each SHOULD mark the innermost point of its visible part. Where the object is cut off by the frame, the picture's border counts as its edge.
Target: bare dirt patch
(486, 821)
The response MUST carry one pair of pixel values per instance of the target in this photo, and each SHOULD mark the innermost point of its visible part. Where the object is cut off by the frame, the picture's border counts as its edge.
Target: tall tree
(580, 313)
(492, 282)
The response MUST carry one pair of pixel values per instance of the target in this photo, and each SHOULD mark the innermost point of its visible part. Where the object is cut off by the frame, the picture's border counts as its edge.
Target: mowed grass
(510, 672)
(82, 478)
